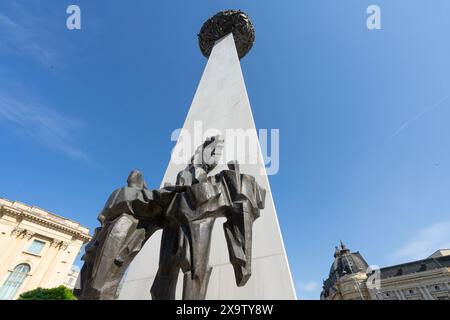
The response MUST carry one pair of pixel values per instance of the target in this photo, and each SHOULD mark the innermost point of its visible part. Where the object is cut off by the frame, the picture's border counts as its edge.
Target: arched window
(14, 281)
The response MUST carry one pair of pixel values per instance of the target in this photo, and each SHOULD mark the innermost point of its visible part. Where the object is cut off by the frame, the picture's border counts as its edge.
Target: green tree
(58, 293)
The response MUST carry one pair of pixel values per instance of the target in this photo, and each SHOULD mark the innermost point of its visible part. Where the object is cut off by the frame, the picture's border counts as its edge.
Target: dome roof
(345, 262)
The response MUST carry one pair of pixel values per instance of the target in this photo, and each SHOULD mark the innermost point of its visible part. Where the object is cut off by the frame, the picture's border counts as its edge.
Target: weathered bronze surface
(223, 23)
(130, 216)
(186, 212)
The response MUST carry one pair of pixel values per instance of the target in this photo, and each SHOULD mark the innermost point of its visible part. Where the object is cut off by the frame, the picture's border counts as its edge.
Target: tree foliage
(58, 293)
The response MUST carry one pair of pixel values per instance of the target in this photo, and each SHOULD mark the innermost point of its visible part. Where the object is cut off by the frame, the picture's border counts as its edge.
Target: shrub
(58, 293)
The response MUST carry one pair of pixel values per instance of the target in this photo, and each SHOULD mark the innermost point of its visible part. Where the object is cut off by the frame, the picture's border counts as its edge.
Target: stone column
(46, 280)
(63, 268)
(5, 240)
(15, 242)
(400, 294)
(426, 294)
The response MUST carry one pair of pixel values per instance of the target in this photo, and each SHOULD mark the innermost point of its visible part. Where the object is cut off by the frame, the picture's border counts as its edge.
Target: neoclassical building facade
(71, 278)
(37, 248)
(350, 278)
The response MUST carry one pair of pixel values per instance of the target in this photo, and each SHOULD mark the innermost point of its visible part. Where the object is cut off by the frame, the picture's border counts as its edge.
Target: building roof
(345, 263)
(44, 217)
(415, 266)
(440, 253)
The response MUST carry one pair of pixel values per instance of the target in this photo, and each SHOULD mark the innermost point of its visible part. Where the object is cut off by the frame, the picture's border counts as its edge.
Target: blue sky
(363, 115)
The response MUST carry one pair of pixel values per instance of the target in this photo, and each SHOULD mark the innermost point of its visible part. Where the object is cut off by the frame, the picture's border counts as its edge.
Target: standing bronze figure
(186, 212)
(130, 216)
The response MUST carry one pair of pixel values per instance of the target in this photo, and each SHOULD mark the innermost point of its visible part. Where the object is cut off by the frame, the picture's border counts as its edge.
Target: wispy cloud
(310, 286)
(24, 33)
(308, 290)
(424, 243)
(413, 119)
(42, 125)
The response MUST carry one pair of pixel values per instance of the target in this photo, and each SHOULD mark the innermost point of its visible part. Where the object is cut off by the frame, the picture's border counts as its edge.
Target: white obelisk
(221, 103)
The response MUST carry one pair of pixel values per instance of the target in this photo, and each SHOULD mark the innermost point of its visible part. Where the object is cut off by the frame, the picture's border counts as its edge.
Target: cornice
(29, 216)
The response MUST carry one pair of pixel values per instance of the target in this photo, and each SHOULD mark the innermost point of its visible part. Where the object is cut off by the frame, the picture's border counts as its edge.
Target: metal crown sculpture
(223, 23)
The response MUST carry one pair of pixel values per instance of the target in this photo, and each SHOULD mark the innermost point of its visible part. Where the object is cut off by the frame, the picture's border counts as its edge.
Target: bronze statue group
(186, 212)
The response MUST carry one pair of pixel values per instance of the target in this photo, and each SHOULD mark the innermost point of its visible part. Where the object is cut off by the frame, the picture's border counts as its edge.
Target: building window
(14, 282)
(36, 247)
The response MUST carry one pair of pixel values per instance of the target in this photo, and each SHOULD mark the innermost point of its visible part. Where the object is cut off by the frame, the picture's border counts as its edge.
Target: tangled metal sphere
(223, 23)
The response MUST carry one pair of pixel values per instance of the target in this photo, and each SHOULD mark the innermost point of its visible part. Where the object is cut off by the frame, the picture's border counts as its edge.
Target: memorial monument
(196, 199)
